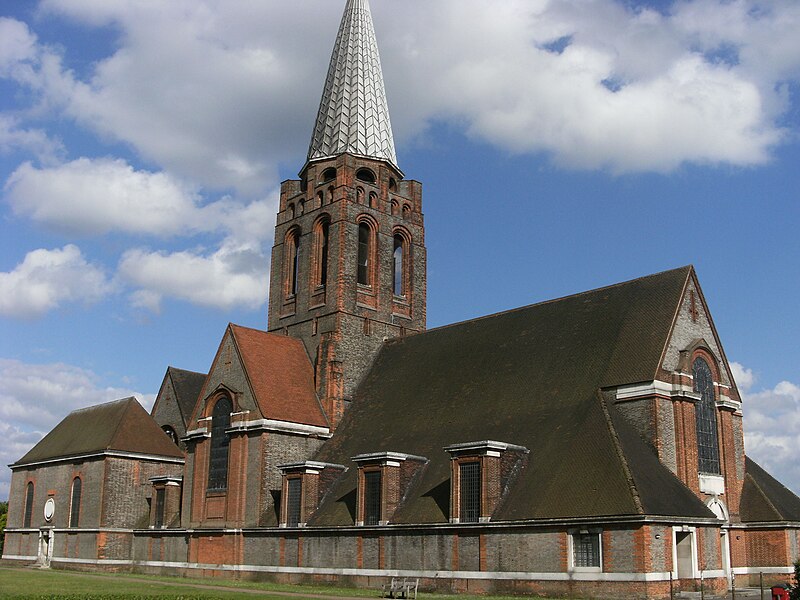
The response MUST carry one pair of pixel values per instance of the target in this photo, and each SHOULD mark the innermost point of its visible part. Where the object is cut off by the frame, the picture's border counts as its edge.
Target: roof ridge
(130, 406)
(96, 406)
(171, 368)
(612, 430)
(546, 302)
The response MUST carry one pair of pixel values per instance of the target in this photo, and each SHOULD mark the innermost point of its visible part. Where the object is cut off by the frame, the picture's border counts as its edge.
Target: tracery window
(26, 521)
(220, 440)
(75, 502)
(706, 418)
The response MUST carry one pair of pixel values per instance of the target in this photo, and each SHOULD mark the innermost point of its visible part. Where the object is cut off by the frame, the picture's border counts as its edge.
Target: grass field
(24, 584)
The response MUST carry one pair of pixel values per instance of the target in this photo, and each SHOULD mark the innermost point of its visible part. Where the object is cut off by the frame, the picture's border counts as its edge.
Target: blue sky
(563, 145)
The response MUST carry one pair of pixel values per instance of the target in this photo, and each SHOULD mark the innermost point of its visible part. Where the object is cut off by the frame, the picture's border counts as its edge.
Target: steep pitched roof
(281, 376)
(187, 386)
(531, 377)
(764, 498)
(122, 425)
(353, 115)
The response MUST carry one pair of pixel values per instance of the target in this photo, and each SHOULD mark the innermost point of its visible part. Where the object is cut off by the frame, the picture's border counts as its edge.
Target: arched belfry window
(321, 243)
(26, 520)
(220, 440)
(365, 250)
(292, 249)
(366, 175)
(399, 268)
(706, 418)
(75, 502)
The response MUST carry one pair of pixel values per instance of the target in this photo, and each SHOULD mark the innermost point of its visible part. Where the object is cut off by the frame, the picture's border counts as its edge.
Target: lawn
(38, 584)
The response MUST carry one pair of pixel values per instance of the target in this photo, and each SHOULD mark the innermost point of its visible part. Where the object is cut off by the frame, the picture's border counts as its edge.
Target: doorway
(684, 554)
(45, 547)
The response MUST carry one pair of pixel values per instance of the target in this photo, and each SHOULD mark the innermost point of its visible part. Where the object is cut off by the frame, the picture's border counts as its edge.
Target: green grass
(36, 584)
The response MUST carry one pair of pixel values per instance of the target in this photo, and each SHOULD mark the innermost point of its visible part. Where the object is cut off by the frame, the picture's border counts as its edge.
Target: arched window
(301, 207)
(360, 195)
(330, 194)
(26, 520)
(406, 211)
(292, 261)
(329, 174)
(706, 418)
(218, 455)
(395, 207)
(75, 503)
(365, 245)
(392, 183)
(321, 234)
(366, 175)
(290, 212)
(171, 434)
(373, 200)
(321, 198)
(398, 266)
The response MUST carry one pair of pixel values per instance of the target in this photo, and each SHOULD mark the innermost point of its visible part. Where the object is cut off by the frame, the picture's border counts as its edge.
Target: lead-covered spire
(353, 115)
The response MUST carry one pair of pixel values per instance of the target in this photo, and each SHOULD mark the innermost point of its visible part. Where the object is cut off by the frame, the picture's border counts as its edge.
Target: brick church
(590, 445)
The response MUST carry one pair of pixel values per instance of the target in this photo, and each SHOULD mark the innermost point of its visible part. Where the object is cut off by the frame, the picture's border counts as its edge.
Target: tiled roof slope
(187, 385)
(531, 377)
(281, 376)
(353, 115)
(122, 425)
(764, 498)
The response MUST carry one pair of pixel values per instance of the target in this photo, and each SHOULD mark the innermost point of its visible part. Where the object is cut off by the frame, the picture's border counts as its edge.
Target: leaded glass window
(469, 492)
(398, 266)
(75, 503)
(294, 491)
(586, 550)
(218, 456)
(372, 497)
(706, 418)
(26, 521)
(364, 250)
(160, 493)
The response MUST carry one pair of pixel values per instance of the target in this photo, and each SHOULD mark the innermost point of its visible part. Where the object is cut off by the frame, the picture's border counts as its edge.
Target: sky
(563, 145)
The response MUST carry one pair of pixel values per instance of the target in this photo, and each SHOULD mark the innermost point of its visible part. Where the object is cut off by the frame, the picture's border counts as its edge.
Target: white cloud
(744, 377)
(35, 141)
(46, 279)
(234, 275)
(772, 430)
(35, 397)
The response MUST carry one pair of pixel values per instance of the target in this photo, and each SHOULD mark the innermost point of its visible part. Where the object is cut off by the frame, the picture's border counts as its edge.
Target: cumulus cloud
(235, 275)
(35, 397)
(46, 279)
(772, 426)
(34, 141)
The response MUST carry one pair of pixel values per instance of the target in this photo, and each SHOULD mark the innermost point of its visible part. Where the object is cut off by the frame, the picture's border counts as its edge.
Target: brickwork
(127, 490)
(166, 411)
(330, 193)
(766, 548)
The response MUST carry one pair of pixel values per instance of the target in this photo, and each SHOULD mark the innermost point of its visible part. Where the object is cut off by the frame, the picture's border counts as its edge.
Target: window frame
(573, 548)
(366, 254)
(291, 262)
(293, 510)
(321, 250)
(706, 420)
(372, 497)
(75, 507)
(27, 515)
(467, 501)
(160, 507)
(219, 444)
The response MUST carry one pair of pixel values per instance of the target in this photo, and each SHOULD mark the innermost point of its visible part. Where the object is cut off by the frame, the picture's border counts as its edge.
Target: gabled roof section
(766, 499)
(187, 386)
(281, 376)
(530, 377)
(122, 426)
(353, 115)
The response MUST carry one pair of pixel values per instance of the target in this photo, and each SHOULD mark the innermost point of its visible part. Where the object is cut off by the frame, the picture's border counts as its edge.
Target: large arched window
(399, 266)
(706, 418)
(218, 455)
(75, 503)
(365, 248)
(292, 249)
(26, 520)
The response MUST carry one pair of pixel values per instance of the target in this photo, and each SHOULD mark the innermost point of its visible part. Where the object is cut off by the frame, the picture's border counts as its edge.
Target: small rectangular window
(372, 497)
(586, 550)
(470, 492)
(294, 492)
(160, 493)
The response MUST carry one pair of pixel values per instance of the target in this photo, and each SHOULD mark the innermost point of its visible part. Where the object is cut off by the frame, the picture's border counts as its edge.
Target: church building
(590, 445)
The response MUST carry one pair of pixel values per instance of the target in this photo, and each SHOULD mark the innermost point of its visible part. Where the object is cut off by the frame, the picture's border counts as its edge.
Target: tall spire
(353, 115)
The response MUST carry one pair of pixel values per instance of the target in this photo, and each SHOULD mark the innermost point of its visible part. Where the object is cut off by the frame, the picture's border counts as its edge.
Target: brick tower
(348, 264)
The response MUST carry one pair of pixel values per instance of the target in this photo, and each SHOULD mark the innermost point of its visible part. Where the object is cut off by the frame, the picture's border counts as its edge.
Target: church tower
(348, 264)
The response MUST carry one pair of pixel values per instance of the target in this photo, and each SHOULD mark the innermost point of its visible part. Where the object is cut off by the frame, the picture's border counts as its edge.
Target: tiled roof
(122, 425)
(765, 499)
(281, 376)
(353, 115)
(187, 385)
(531, 377)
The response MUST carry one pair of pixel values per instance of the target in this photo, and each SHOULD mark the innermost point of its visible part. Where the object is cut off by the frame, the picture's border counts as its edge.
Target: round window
(49, 509)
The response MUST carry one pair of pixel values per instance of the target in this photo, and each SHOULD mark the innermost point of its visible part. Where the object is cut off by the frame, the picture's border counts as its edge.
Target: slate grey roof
(187, 385)
(532, 377)
(353, 115)
(765, 499)
(121, 425)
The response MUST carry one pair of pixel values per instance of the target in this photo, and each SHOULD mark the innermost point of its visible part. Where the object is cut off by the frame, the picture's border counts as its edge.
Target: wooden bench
(400, 588)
